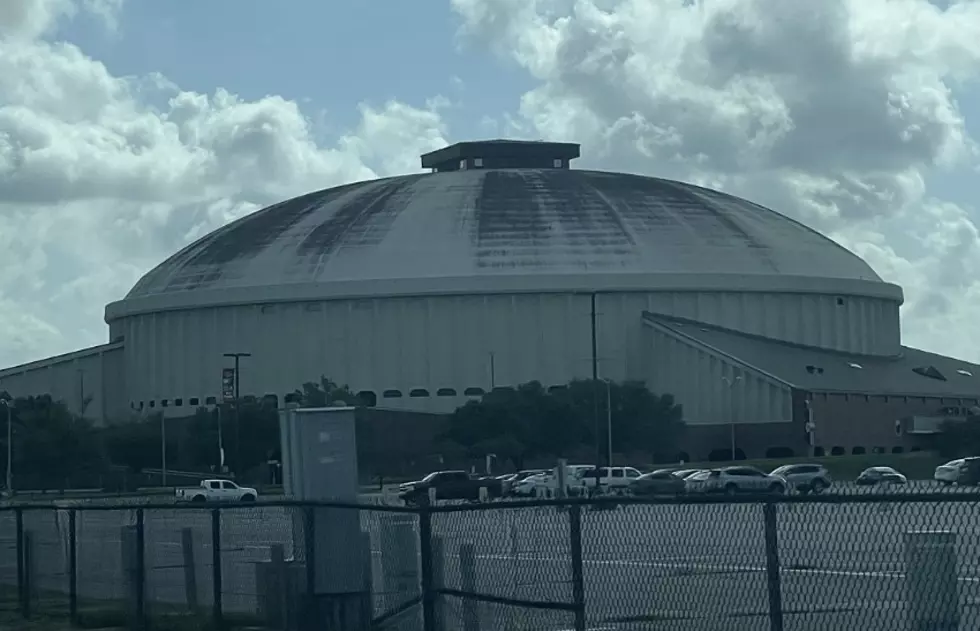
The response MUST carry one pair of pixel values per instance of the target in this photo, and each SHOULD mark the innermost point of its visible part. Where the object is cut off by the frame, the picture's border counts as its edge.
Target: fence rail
(742, 563)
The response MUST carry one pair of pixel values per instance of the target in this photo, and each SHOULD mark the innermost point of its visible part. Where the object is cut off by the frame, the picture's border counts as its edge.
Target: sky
(128, 129)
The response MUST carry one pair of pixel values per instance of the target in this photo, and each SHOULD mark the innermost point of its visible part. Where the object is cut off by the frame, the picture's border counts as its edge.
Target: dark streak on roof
(501, 221)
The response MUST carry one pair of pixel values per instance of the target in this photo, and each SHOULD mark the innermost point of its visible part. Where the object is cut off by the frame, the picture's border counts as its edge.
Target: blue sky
(666, 88)
(316, 53)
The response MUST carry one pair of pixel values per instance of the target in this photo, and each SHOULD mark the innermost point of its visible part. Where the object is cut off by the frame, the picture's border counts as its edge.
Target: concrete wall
(425, 353)
(95, 375)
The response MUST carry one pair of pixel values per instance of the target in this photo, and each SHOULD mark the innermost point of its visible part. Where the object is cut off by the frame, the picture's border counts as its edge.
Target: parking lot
(645, 566)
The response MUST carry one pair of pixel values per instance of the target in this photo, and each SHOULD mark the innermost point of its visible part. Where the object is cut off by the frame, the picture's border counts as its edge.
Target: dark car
(875, 476)
(449, 485)
(662, 482)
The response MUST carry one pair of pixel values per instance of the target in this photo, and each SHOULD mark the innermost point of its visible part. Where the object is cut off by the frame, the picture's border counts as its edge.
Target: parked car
(614, 479)
(875, 476)
(450, 485)
(732, 480)
(660, 482)
(510, 480)
(216, 491)
(546, 482)
(683, 473)
(805, 477)
(960, 471)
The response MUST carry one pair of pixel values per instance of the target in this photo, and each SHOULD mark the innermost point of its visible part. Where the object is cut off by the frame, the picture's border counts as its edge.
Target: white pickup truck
(216, 491)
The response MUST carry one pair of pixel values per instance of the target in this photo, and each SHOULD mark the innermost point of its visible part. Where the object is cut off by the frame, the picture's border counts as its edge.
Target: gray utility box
(319, 464)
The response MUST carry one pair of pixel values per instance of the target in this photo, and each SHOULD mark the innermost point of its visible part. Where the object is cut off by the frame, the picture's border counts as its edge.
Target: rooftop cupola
(501, 154)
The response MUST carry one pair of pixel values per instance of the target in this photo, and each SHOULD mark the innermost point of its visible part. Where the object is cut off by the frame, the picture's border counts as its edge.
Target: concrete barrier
(932, 590)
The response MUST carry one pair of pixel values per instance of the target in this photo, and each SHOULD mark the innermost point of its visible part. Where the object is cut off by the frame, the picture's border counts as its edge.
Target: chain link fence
(770, 563)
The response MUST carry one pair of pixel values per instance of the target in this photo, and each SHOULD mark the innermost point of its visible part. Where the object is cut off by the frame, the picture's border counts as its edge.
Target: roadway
(670, 567)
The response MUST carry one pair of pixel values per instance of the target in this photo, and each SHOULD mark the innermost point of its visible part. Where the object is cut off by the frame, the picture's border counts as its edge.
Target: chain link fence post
(73, 566)
(218, 610)
(23, 595)
(425, 553)
(578, 581)
(773, 580)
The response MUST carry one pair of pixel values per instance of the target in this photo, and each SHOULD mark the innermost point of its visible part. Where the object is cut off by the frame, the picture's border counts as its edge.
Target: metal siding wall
(445, 342)
(697, 381)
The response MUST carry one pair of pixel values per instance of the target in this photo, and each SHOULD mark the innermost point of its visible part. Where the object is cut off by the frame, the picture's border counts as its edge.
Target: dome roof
(487, 223)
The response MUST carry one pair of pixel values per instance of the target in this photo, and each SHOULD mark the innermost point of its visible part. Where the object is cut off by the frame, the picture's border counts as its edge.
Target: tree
(959, 437)
(50, 444)
(528, 421)
(326, 393)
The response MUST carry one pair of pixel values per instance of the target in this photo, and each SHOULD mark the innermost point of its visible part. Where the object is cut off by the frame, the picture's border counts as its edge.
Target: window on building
(368, 398)
(858, 451)
(474, 392)
(211, 401)
(392, 394)
(897, 449)
(153, 404)
(178, 403)
(446, 392)
(837, 451)
(818, 452)
(270, 401)
(478, 162)
(195, 401)
(418, 393)
(929, 371)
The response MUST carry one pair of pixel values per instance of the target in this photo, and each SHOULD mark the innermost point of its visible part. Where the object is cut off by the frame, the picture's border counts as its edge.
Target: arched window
(368, 398)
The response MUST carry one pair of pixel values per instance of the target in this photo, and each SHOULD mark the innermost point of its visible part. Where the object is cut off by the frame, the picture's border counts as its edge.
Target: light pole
(163, 449)
(238, 435)
(731, 381)
(609, 449)
(221, 442)
(8, 404)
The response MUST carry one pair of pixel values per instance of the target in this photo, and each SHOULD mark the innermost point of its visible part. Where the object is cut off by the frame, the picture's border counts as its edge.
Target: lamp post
(731, 381)
(238, 443)
(8, 405)
(609, 449)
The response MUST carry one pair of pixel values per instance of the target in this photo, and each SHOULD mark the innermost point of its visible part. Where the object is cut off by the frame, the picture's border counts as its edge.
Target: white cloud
(101, 177)
(835, 112)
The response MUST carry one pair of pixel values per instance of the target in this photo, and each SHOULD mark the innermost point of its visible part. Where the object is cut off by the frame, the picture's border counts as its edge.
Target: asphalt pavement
(674, 567)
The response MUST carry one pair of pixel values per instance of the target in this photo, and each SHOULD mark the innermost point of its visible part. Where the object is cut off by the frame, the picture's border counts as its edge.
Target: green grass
(49, 612)
(916, 466)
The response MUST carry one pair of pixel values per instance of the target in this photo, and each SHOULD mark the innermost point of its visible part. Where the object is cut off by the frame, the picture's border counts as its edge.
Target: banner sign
(228, 384)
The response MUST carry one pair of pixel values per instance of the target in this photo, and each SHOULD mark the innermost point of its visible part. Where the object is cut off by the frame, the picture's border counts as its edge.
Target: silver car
(734, 480)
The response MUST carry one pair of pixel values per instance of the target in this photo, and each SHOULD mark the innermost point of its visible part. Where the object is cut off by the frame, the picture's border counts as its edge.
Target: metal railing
(775, 563)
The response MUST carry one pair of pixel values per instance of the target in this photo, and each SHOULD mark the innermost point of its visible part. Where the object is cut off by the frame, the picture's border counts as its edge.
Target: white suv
(805, 477)
(732, 480)
(613, 479)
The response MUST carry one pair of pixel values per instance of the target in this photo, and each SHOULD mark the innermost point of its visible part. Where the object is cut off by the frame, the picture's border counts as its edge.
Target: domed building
(504, 265)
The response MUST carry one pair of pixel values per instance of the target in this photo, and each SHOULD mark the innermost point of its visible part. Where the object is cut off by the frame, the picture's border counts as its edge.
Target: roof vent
(855, 365)
(965, 373)
(929, 371)
(501, 154)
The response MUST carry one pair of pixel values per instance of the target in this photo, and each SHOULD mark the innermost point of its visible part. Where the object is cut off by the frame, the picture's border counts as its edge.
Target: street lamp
(238, 443)
(8, 405)
(609, 449)
(731, 381)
